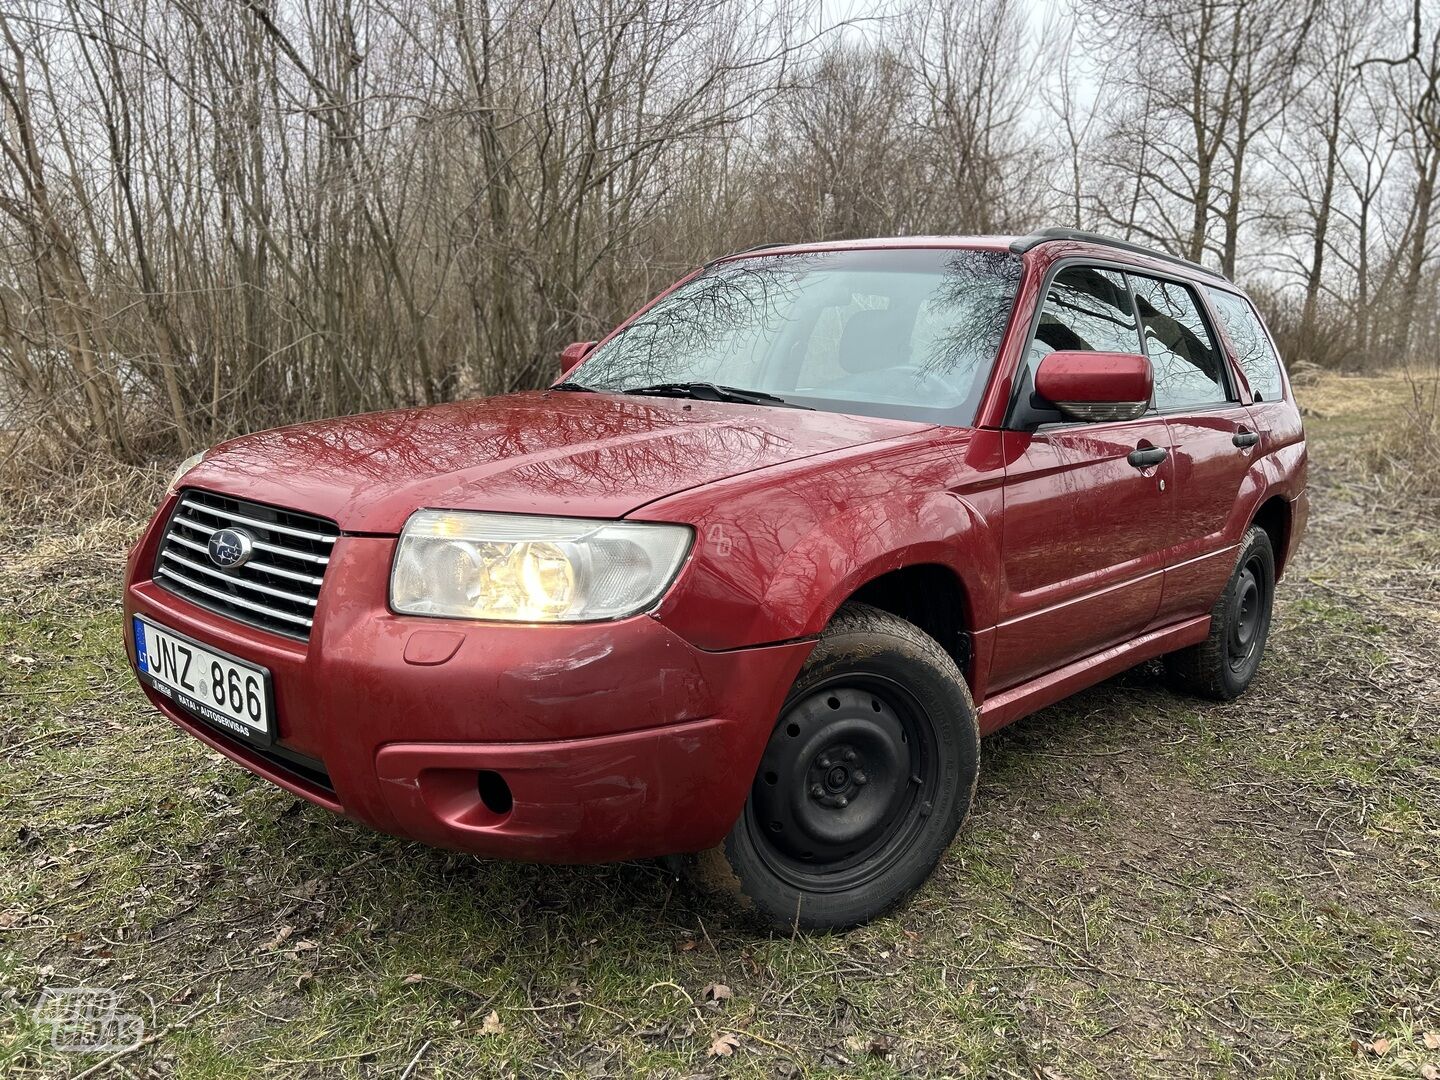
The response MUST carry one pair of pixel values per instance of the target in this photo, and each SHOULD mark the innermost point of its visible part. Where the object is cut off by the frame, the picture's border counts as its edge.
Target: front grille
(278, 587)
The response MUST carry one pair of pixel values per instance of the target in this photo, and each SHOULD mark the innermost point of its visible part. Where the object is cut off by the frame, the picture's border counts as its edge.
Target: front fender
(844, 552)
(777, 552)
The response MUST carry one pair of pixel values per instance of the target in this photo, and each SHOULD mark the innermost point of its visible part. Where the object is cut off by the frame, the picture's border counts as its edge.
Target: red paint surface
(641, 737)
(1094, 376)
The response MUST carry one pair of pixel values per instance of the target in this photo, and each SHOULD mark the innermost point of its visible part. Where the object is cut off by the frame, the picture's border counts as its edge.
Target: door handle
(1243, 438)
(1142, 457)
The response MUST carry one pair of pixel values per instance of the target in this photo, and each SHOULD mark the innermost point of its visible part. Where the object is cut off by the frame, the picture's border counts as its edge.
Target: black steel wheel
(834, 803)
(862, 784)
(1250, 612)
(1223, 665)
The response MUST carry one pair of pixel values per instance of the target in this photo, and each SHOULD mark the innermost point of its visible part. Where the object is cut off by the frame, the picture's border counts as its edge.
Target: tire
(1223, 665)
(862, 786)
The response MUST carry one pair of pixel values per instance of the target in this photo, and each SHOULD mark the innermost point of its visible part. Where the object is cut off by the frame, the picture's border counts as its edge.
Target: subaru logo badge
(230, 549)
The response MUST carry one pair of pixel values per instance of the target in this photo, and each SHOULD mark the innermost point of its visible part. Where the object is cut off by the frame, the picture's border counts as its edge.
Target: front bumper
(614, 740)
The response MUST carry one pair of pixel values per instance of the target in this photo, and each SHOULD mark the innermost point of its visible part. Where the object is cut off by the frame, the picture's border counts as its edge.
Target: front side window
(1252, 345)
(1188, 368)
(910, 333)
(1086, 309)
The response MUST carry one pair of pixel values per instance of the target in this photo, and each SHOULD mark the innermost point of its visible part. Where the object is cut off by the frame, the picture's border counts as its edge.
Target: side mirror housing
(1096, 385)
(572, 354)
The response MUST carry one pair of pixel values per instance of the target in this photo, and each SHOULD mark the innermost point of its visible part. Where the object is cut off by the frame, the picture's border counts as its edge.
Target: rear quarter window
(1252, 345)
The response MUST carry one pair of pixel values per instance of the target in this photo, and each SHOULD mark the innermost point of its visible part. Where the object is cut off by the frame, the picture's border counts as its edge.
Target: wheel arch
(1273, 515)
(931, 560)
(934, 598)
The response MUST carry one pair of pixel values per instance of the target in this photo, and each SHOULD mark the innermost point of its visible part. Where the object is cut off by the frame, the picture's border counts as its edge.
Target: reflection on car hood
(580, 454)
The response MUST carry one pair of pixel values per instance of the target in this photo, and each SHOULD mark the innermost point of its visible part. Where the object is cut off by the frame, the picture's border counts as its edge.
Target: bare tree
(219, 215)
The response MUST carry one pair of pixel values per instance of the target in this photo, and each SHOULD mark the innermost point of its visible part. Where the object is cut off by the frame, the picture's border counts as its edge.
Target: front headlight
(183, 468)
(518, 568)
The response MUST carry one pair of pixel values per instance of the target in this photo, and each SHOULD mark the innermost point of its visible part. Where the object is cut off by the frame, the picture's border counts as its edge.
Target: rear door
(1084, 526)
(1211, 442)
(1274, 415)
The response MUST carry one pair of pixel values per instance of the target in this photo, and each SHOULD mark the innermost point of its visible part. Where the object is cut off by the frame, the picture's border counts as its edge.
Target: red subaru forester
(749, 583)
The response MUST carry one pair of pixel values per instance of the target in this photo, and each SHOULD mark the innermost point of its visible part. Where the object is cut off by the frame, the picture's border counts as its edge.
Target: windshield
(907, 333)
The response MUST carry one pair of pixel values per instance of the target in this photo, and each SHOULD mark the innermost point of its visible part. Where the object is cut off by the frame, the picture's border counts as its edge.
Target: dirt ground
(1149, 885)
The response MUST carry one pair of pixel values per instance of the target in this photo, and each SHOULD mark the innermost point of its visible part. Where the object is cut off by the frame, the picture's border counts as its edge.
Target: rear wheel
(1223, 665)
(862, 785)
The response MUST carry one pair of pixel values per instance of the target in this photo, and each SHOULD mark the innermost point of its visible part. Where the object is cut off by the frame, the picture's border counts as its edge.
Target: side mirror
(572, 354)
(1096, 385)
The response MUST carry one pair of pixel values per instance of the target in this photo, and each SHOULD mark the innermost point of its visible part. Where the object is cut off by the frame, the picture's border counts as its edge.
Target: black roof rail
(1024, 243)
(748, 250)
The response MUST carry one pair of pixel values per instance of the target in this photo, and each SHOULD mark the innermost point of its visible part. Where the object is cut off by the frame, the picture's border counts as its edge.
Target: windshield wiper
(708, 391)
(575, 387)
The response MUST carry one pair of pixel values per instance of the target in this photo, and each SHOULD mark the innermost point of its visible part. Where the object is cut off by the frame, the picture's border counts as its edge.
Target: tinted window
(1252, 345)
(889, 333)
(1086, 309)
(1188, 367)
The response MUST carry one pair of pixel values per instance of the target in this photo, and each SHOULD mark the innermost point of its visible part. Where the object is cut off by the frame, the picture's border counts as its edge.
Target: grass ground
(1149, 885)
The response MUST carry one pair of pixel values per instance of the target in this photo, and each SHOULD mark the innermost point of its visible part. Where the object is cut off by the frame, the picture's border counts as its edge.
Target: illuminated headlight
(518, 568)
(183, 468)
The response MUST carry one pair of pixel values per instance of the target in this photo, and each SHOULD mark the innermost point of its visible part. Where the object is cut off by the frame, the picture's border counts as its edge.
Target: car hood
(545, 452)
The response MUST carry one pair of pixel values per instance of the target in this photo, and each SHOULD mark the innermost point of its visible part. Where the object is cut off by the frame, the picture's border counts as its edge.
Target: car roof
(1086, 242)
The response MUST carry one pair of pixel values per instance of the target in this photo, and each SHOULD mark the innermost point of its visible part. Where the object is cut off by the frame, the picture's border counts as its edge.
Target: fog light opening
(494, 792)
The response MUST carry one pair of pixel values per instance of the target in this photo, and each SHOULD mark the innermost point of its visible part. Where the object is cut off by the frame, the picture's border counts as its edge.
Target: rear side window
(1252, 345)
(1188, 368)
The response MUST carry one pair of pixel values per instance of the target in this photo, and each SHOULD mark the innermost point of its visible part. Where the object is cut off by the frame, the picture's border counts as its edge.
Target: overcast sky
(867, 19)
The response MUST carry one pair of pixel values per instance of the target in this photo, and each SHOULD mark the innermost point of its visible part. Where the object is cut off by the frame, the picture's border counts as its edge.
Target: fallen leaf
(717, 992)
(279, 939)
(1432, 1041)
(1380, 1046)
(724, 1046)
(492, 1024)
(879, 1046)
(413, 978)
(1429, 1072)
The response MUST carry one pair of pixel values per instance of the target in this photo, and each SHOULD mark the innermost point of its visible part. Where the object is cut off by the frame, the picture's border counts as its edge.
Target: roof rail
(748, 250)
(1035, 239)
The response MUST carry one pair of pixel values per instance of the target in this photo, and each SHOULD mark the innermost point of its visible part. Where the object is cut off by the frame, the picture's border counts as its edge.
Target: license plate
(232, 694)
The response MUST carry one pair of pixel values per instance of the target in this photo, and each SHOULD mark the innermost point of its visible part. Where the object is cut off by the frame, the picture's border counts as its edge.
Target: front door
(1087, 505)
(1082, 565)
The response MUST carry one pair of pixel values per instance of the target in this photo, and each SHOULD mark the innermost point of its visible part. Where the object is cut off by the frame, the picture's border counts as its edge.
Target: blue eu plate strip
(140, 645)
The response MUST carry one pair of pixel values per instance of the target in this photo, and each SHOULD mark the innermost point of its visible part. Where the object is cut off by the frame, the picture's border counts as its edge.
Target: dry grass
(59, 489)
(1150, 885)
(1397, 419)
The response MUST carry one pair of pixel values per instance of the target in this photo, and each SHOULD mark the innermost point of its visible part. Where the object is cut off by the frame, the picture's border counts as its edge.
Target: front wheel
(863, 783)
(1222, 665)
